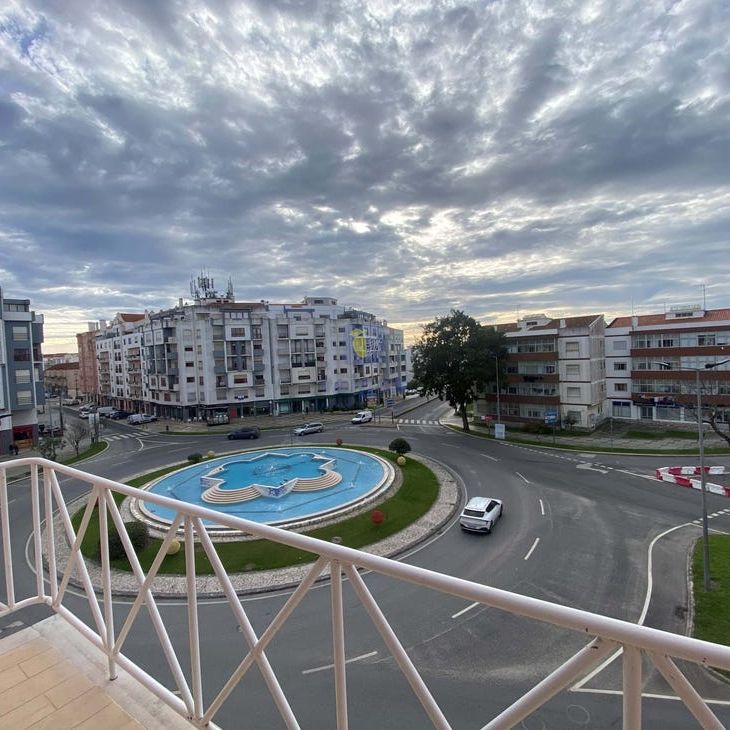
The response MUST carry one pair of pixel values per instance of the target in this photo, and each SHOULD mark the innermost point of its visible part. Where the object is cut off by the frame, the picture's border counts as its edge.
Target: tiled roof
(649, 320)
(63, 366)
(553, 324)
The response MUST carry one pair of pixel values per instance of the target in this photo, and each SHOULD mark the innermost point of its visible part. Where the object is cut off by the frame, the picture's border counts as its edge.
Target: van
(362, 417)
(105, 410)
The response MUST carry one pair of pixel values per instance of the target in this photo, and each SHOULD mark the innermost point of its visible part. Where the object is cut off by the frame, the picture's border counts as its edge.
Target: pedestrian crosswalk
(417, 422)
(132, 435)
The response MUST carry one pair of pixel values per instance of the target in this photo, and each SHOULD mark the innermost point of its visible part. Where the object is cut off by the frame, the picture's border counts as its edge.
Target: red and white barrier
(679, 475)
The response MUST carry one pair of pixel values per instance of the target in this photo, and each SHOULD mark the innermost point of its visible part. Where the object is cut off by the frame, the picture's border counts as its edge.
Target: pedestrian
(16, 449)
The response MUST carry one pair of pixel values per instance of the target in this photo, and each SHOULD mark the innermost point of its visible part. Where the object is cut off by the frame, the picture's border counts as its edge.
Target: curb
(680, 475)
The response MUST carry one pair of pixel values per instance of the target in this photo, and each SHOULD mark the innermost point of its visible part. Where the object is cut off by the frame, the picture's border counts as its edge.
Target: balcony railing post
(193, 632)
(50, 534)
(37, 542)
(7, 552)
(338, 645)
(632, 688)
(686, 692)
(106, 579)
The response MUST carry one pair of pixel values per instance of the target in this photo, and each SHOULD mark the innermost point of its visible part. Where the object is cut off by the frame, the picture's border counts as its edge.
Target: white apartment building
(555, 369)
(651, 362)
(216, 356)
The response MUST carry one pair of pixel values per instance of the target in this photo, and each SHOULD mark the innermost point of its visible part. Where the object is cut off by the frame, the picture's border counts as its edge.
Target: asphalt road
(577, 530)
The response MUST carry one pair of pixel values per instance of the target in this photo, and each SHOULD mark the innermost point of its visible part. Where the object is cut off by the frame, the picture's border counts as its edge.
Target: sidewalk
(605, 440)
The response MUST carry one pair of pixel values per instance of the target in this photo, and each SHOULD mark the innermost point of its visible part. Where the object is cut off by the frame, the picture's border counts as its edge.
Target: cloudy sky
(504, 158)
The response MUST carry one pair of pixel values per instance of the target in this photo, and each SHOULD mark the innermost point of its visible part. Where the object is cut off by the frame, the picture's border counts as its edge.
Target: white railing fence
(608, 635)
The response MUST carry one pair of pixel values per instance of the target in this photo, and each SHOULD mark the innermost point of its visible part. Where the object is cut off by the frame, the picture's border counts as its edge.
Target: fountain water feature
(288, 487)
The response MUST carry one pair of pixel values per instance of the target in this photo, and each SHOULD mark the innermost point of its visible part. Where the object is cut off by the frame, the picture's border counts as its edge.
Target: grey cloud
(271, 143)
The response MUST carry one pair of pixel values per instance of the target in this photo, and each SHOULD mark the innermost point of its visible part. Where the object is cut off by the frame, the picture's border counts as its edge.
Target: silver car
(309, 428)
(481, 513)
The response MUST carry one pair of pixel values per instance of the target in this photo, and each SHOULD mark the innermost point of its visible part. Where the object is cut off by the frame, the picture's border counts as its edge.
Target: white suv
(481, 513)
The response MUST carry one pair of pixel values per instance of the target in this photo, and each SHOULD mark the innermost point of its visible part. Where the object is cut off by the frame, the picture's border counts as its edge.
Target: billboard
(367, 343)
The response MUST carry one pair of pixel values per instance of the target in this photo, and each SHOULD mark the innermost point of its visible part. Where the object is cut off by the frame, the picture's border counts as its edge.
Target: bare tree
(76, 432)
(711, 414)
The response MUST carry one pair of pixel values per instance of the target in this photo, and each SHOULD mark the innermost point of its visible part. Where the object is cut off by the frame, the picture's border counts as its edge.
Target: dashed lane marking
(464, 610)
(530, 551)
(325, 667)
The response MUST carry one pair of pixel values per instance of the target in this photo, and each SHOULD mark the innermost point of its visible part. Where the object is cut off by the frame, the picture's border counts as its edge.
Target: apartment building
(651, 364)
(62, 379)
(88, 385)
(21, 372)
(555, 370)
(219, 357)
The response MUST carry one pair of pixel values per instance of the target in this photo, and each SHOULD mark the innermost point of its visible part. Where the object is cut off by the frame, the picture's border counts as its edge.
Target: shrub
(400, 446)
(137, 532)
(195, 458)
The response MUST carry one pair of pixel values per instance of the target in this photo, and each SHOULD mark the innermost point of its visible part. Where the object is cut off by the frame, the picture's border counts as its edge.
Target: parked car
(481, 513)
(50, 430)
(137, 418)
(84, 412)
(118, 415)
(245, 432)
(309, 428)
(362, 417)
(71, 401)
(106, 411)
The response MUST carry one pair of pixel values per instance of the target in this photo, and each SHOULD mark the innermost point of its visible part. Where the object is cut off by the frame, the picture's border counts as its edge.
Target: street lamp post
(496, 373)
(703, 485)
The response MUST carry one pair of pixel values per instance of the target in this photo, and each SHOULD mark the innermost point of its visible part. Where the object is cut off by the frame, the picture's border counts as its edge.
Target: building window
(621, 387)
(25, 397)
(21, 355)
(574, 416)
(573, 393)
(22, 376)
(572, 370)
(621, 409)
(191, 379)
(20, 334)
(238, 331)
(619, 366)
(619, 345)
(573, 346)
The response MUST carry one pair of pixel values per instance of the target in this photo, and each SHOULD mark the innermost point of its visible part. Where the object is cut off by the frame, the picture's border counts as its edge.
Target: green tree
(400, 446)
(456, 358)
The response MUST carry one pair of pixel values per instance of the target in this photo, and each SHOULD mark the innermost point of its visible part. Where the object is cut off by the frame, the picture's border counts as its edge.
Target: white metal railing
(608, 635)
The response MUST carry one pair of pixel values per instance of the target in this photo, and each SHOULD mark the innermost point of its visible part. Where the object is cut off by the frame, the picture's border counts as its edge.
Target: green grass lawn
(414, 498)
(93, 450)
(712, 616)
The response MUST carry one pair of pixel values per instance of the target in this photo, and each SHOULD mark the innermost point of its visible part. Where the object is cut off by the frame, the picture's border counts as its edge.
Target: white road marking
(332, 666)
(524, 479)
(464, 610)
(589, 467)
(534, 545)
(644, 610)
(542, 508)
(487, 456)
(650, 695)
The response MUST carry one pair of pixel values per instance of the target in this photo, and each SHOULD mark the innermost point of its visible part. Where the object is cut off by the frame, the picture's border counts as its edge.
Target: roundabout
(288, 487)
